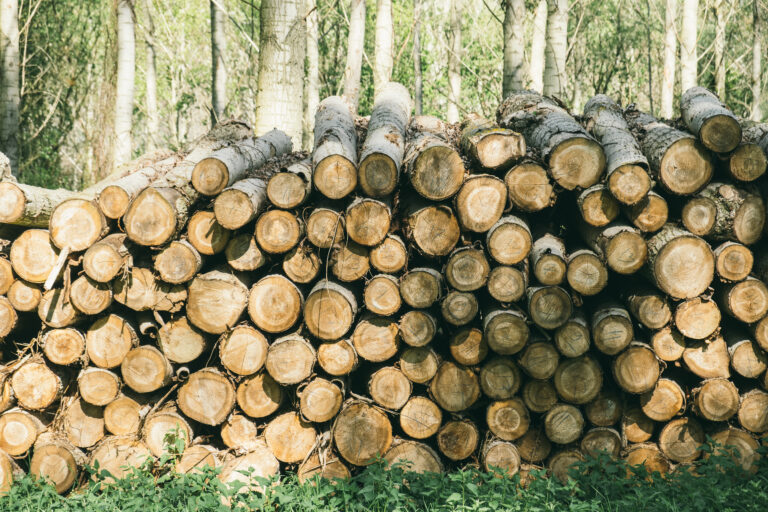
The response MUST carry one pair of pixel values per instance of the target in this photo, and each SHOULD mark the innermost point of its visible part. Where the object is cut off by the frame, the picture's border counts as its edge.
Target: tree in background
(126, 75)
(538, 47)
(555, 74)
(688, 42)
(312, 78)
(283, 44)
(150, 77)
(670, 59)
(454, 63)
(418, 88)
(9, 80)
(384, 45)
(756, 85)
(514, 46)
(218, 67)
(355, 44)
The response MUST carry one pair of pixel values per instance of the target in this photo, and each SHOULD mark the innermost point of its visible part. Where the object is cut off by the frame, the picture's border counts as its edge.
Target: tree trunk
(575, 159)
(514, 47)
(153, 119)
(218, 67)
(418, 87)
(721, 22)
(710, 120)
(312, 77)
(757, 55)
(10, 98)
(688, 42)
(126, 73)
(670, 58)
(555, 74)
(538, 47)
(626, 166)
(283, 40)
(384, 42)
(355, 49)
(382, 153)
(454, 63)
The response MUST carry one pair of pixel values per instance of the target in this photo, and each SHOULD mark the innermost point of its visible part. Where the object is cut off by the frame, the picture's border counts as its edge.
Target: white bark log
(688, 53)
(417, 76)
(555, 77)
(153, 122)
(126, 74)
(383, 45)
(9, 81)
(355, 43)
(312, 80)
(721, 21)
(283, 43)
(756, 113)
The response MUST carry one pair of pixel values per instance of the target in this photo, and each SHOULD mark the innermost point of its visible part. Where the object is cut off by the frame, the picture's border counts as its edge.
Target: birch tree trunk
(283, 42)
(756, 114)
(126, 73)
(418, 88)
(538, 46)
(312, 80)
(555, 76)
(514, 46)
(218, 70)
(9, 80)
(688, 53)
(454, 63)
(720, 14)
(383, 45)
(355, 44)
(151, 79)
(670, 59)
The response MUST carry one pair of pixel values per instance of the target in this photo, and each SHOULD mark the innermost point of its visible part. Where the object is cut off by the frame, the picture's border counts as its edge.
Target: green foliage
(599, 484)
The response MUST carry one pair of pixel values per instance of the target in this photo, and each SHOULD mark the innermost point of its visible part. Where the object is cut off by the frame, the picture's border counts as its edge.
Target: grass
(713, 484)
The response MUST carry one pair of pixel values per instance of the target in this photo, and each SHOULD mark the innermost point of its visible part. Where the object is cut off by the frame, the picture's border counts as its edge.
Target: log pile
(510, 293)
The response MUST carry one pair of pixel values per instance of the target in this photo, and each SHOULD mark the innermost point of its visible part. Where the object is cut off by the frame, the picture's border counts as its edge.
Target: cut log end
(361, 433)
(378, 175)
(629, 183)
(720, 133)
(335, 177)
(577, 163)
(210, 176)
(685, 167)
(649, 214)
(150, 220)
(733, 261)
(437, 173)
(529, 187)
(435, 230)
(747, 163)
(287, 190)
(13, 203)
(77, 224)
(114, 201)
(598, 206)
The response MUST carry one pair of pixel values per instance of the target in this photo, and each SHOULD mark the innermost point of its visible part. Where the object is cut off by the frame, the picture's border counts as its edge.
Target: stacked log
(529, 290)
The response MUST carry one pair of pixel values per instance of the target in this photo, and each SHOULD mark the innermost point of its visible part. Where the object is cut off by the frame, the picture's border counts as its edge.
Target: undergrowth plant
(714, 483)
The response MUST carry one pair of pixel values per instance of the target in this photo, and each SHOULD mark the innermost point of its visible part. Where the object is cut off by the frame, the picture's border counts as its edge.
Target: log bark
(626, 167)
(29, 206)
(488, 144)
(681, 264)
(234, 162)
(335, 155)
(381, 155)
(574, 158)
(677, 161)
(710, 120)
(434, 168)
(724, 212)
